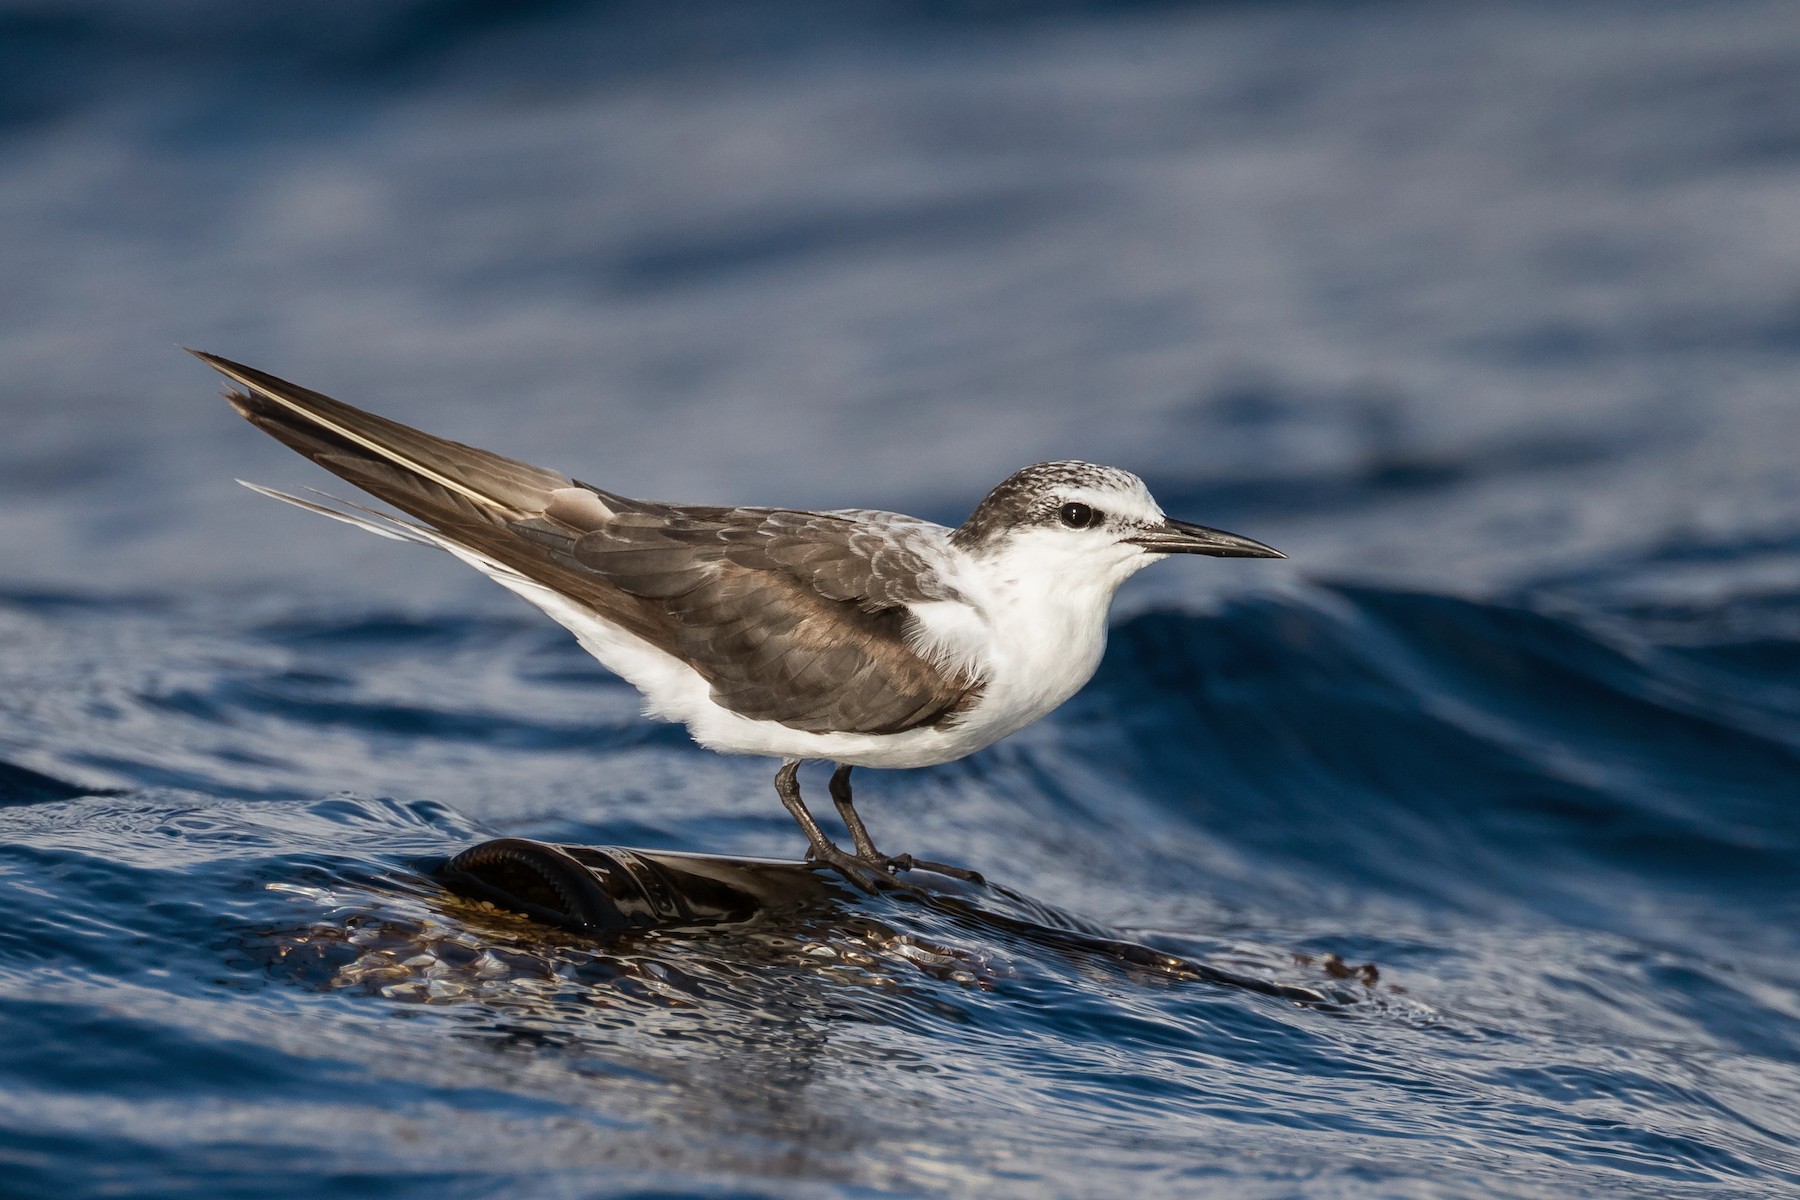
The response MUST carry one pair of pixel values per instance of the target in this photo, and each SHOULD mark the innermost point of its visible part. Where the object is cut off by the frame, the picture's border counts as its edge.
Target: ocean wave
(1471, 752)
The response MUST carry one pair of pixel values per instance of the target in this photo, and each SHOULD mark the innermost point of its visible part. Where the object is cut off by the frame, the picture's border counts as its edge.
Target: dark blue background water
(1488, 314)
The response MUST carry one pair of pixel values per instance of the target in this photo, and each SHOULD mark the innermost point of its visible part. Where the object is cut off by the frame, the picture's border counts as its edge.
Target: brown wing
(793, 617)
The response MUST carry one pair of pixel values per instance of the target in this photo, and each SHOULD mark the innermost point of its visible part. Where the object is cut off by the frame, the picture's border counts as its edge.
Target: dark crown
(1030, 496)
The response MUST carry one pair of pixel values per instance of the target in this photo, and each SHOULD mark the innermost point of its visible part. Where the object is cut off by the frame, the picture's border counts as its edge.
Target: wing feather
(800, 618)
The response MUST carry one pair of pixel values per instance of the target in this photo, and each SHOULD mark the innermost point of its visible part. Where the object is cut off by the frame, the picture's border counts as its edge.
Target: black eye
(1078, 516)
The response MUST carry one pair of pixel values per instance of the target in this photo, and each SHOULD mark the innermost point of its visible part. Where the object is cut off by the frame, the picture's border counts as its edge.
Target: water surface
(1484, 314)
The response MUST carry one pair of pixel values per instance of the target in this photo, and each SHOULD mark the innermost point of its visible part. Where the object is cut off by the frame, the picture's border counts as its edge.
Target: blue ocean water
(1488, 315)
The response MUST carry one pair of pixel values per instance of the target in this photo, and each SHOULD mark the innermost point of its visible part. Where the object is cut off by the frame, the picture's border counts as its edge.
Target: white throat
(1035, 628)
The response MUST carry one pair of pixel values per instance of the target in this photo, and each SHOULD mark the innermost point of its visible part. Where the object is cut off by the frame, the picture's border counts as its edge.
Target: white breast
(1033, 630)
(1045, 632)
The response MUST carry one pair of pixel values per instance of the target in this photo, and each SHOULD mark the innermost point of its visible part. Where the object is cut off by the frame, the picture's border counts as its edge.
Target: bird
(857, 637)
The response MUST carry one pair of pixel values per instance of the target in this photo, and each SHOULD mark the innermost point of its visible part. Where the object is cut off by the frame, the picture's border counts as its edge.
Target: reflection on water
(758, 1007)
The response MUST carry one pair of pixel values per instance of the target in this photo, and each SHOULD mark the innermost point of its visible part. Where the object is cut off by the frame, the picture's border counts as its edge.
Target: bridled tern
(857, 637)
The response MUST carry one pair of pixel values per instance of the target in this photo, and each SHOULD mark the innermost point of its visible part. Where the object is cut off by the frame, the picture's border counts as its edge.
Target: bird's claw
(867, 877)
(906, 862)
(876, 873)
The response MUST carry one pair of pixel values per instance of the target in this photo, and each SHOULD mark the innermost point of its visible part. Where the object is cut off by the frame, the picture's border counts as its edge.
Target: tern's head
(1090, 522)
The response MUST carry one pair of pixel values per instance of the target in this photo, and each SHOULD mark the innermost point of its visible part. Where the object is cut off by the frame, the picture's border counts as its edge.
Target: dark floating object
(607, 889)
(598, 890)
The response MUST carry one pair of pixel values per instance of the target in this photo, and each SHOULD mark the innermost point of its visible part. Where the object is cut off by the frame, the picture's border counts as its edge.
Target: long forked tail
(404, 466)
(471, 501)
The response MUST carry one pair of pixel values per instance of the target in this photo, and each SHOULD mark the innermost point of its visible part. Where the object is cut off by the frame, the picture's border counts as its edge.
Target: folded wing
(794, 617)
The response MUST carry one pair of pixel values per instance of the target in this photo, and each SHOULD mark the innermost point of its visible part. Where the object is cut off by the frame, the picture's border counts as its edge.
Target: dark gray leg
(840, 796)
(865, 845)
(864, 875)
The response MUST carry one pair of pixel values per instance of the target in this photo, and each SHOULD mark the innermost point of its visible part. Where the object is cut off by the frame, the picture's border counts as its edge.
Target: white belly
(1034, 653)
(1034, 646)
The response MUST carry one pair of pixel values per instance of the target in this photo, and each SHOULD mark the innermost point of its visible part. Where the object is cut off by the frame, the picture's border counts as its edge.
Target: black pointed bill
(1179, 537)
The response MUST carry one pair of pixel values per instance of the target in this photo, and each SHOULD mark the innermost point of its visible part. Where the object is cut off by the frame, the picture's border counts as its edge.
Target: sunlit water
(1486, 317)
